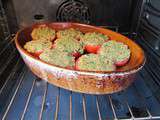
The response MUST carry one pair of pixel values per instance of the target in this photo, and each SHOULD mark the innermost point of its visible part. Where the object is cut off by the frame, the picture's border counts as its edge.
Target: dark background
(112, 13)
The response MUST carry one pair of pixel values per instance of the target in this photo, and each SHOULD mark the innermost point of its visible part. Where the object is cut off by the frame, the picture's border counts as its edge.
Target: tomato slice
(122, 63)
(70, 67)
(76, 54)
(92, 48)
(36, 54)
(53, 46)
(53, 38)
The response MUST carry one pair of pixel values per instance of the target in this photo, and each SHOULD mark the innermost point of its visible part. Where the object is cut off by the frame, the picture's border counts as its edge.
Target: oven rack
(24, 96)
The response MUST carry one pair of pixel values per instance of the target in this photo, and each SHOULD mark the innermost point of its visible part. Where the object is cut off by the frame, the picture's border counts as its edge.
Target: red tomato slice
(37, 53)
(71, 67)
(122, 63)
(92, 48)
(53, 46)
(76, 54)
(52, 38)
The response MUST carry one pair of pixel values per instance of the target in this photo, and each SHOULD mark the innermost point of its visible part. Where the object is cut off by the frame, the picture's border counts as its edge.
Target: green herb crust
(70, 33)
(56, 57)
(116, 51)
(68, 44)
(94, 38)
(43, 33)
(93, 62)
(37, 45)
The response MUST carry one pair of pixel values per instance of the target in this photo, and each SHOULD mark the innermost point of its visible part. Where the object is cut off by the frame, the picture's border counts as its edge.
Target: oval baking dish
(91, 82)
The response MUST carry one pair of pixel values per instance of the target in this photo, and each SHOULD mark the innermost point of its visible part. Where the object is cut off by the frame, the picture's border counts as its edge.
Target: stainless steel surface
(3, 21)
(71, 10)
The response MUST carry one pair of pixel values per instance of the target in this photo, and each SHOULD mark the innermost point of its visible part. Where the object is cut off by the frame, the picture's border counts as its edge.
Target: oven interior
(25, 96)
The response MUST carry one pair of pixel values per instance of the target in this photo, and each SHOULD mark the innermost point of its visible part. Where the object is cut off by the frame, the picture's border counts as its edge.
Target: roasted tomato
(92, 48)
(94, 62)
(71, 32)
(36, 47)
(69, 45)
(116, 51)
(122, 63)
(43, 32)
(57, 57)
(93, 41)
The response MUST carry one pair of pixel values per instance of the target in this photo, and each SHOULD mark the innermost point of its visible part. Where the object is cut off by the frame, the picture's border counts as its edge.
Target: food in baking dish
(67, 51)
(117, 51)
(43, 32)
(37, 46)
(57, 57)
(70, 45)
(85, 81)
(93, 41)
(71, 32)
(94, 62)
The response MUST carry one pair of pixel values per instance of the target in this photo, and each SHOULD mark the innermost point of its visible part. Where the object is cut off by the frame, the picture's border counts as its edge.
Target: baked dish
(101, 53)
(108, 65)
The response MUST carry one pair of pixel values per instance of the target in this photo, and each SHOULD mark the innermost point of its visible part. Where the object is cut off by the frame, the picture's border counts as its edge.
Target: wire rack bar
(130, 111)
(98, 108)
(84, 107)
(18, 86)
(28, 100)
(112, 106)
(43, 101)
(70, 106)
(57, 105)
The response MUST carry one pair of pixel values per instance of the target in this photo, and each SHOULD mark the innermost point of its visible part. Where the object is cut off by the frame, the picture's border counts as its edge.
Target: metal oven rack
(26, 97)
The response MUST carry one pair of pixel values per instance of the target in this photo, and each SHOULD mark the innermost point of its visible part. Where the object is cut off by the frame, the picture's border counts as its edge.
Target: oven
(25, 96)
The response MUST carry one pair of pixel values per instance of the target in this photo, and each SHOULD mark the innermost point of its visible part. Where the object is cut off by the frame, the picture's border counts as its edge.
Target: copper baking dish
(83, 81)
